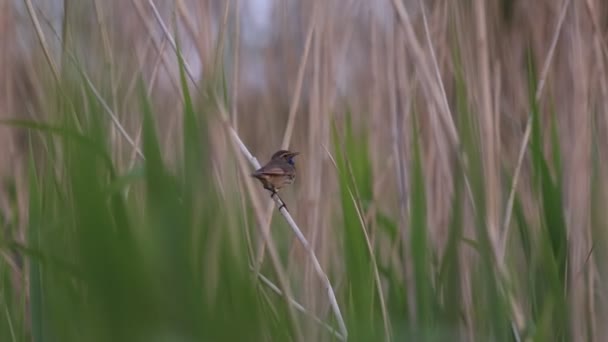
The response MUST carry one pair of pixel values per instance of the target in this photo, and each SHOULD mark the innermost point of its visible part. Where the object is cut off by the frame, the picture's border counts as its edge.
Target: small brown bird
(278, 172)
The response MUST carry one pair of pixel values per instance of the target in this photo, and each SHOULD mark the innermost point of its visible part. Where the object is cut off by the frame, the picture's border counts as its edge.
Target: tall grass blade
(354, 173)
(419, 245)
(35, 286)
(551, 280)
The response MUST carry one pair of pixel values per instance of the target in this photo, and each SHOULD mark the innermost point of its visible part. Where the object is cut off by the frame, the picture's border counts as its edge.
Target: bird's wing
(270, 170)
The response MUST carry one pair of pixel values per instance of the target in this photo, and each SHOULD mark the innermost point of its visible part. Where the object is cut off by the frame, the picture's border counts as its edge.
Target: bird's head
(285, 155)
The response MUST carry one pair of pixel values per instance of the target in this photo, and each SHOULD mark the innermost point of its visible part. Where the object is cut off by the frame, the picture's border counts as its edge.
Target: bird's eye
(290, 161)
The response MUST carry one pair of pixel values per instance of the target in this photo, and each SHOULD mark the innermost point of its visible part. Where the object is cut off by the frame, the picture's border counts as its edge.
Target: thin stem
(294, 227)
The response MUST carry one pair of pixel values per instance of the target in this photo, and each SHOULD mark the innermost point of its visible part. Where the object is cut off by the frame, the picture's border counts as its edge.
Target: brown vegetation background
(316, 60)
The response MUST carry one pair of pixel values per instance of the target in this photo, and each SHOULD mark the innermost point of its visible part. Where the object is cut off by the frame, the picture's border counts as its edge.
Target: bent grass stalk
(283, 210)
(296, 230)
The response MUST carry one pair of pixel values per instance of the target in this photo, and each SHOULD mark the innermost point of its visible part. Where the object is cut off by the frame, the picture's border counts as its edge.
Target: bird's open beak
(293, 154)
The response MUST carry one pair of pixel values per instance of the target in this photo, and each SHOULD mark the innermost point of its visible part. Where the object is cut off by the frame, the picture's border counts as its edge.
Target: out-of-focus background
(451, 182)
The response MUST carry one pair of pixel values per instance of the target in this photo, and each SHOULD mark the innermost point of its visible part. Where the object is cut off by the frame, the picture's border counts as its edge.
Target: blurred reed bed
(451, 181)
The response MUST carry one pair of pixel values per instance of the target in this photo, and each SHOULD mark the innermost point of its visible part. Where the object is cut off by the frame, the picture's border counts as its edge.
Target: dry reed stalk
(376, 94)
(336, 40)
(159, 50)
(578, 179)
(399, 88)
(293, 108)
(169, 37)
(111, 114)
(598, 307)
(151, 83)
(526, 138)
(201, 38)
(7, 91)
(274, 256)
(441, 125)
(234, 138)
(592, 11)
(381, 75)
(235, 65)
(439, 151)
(238, 146)
(431, 80)
(11, 162)
(488, 134)
(113, 117)
(301, 308)
(433, 86)
(42, 39)
(524, 145)
(313, 166)
(475, 57)
(108, 58)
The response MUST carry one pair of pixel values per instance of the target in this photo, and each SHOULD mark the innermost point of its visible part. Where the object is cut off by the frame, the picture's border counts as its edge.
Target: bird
(278, 172)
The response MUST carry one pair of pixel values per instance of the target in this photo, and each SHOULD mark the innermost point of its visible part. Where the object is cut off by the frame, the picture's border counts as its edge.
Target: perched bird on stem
(278, 172)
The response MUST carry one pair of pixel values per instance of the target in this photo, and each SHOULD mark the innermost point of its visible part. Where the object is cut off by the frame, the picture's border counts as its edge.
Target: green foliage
(355, 177)
(449, 279)
(105, 266)
(489, 302)
(168, 260)
(549, 277)
(419, 244)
